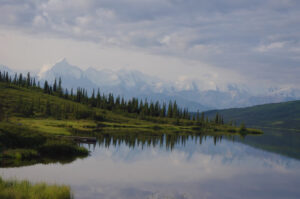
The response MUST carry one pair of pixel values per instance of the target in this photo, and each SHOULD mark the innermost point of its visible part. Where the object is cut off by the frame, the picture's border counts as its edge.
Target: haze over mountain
(187, 92)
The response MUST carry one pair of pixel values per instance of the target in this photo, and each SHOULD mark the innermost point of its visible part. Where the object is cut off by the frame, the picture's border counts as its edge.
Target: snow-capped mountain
(127, 83)
(187, 92)
(6, 69)
(72, 76)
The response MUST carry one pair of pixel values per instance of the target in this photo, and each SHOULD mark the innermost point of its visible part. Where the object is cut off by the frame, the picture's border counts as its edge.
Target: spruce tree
(163, 110)
(34, 84)
(217, 118)
(28, 80)
(55, 85)
(46, 87)
(98, 98)
(170, 110)
(6, 77)
(15, 78)
(175, 110)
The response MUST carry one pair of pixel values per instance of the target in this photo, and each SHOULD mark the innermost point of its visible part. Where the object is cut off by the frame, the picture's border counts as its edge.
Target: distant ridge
(285, 115)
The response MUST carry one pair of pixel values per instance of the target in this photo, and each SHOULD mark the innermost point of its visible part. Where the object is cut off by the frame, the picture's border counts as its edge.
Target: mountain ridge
(134, 83)
(283, 115)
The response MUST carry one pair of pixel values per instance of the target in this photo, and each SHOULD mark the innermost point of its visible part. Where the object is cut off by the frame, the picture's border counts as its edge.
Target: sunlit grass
(53, 126)
(12, 189)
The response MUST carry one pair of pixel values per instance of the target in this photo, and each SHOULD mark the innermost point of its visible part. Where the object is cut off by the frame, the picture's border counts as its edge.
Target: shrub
(243, 128)
(20, 154)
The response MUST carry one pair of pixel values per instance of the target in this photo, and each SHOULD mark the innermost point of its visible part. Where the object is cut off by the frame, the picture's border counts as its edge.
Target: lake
(178, 167)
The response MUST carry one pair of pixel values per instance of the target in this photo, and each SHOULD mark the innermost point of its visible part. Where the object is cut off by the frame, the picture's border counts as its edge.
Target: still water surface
(214, 169)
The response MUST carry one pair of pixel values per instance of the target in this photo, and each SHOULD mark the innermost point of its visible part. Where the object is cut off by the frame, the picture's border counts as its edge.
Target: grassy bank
(10, 189)
(25, 141)
(20, 145)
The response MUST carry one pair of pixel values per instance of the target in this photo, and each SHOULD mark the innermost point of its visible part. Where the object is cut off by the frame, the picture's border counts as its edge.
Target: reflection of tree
(140, 139)
(21, 163)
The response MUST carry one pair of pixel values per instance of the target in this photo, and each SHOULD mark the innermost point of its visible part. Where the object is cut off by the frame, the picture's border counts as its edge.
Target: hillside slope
(284, 115)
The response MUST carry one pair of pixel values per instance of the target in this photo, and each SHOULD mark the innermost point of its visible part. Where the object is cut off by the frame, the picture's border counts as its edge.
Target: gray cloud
(258, 39)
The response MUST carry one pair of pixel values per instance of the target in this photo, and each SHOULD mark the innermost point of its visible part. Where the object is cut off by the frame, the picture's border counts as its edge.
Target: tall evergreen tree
(170, 110)
(98, 98)
(55, 85)
(28, 80)
(217, 119)
(34, 83)
(163, 110)
(46, 87)
(59, 84)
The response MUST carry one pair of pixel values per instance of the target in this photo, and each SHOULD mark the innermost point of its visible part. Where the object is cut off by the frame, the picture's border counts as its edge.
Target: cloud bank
(250, 41)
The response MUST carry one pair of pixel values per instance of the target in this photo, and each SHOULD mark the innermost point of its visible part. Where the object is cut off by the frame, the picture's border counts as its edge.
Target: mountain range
(133, 83)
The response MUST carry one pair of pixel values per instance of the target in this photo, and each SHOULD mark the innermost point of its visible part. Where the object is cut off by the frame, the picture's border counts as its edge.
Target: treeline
(109, 102)
(97, 100)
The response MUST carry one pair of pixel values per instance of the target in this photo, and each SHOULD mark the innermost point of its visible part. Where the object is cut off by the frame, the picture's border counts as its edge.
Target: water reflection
(168, 141)
(278, 141)
(172, 167)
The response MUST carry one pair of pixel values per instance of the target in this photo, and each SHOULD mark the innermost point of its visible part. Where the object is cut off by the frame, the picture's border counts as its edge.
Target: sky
(248, 42)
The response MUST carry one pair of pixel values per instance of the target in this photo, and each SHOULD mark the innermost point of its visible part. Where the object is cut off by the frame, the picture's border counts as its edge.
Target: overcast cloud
(242, 41)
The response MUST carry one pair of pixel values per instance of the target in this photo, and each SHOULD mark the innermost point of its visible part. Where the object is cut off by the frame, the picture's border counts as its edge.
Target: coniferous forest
(97, 99)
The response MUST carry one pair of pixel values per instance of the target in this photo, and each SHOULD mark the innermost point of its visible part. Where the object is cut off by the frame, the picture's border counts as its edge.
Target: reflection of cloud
(185, 171)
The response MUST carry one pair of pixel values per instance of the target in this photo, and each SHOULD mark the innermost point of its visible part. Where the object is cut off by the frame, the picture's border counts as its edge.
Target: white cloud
(271, 46)
(231, 37)
(165, 40)
(39, 21)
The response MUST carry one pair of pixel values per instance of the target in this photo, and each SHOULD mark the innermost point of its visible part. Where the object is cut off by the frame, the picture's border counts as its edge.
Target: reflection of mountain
(189, 93)
(282, 142)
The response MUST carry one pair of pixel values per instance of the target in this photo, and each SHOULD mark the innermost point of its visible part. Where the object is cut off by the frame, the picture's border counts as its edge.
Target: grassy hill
(284, 115)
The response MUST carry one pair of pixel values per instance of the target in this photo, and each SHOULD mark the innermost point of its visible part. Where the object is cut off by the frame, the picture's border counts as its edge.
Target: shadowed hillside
(284, 115)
